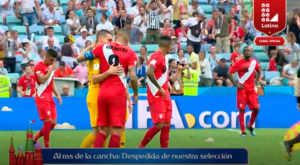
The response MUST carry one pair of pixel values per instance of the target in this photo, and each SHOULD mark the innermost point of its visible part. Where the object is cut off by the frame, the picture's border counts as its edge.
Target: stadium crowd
(207, 37)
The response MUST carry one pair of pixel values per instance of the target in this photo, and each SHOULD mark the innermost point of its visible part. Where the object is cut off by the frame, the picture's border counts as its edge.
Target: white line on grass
(233, 130)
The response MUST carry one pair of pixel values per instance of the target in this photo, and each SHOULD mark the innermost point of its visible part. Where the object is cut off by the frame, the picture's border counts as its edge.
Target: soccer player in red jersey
(158, 95)
(112, 100)
(248, 72)
(44, 72)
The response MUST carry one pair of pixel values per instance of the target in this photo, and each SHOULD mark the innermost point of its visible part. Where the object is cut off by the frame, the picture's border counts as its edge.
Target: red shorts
(161, 110)
(112, 110)
(247, 97)
(46, 109)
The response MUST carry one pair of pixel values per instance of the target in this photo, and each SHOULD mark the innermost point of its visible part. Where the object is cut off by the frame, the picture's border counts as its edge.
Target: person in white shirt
(44, 39)
(134, 11)
(6, 9)
(104, 24)
(73, 23)
(50, 16)
(80, 41)
(141, 20)
(206, 72)
(194, 32)
(45, 5)
(194, 8)
(167, 11)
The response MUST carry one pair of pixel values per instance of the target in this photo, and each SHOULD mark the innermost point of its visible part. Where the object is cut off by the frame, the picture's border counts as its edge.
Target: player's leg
(89, 140)
(241, 105)
(289, 145)
(102, 122)
(115, 137)
(157, 110)
(254, 106)
(165, 131)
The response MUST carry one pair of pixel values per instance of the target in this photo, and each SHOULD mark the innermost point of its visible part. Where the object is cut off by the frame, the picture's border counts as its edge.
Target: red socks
(114, 141)
(148, 136)
(100, 139)
(39, 134)
(242, 121)
(164, 137)
(46, 132)
(252, 119)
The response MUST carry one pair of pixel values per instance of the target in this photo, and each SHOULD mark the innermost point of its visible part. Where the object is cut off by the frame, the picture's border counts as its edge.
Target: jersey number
(113, 60)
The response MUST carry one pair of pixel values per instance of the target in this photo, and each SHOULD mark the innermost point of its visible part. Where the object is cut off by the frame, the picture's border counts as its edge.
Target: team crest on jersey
(153, 62)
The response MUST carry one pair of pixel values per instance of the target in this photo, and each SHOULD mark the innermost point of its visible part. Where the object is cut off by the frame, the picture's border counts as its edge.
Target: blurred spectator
(128, 3)
(253, 55)
(88, 43)
(5, 86)
(225, 4)
(31, 64)
(134, 33)
(42, 54)
(81, 13)
(26, 83)
(104, 24)
(251, 32)
(289, 72)
(120, 22)
(210, 26)
(291, 48)
(104, 8)
(190, 80)
(167, 12)
(27, 52)
(135, 10)
(235, 55)
(220, 74)
(221, 31)
(141, 20)
(193, 59)
(68, 52)
(111, 4)
(10, 47)
(90, 22)
(117, 10)
(212, 58)
(3, 70)
(166, 30)
(63, 70)
(6, 9)
(195, 8)
(153, 21)
(294, 25)
(73, 5)
(81, 73)
(194, 32)
(45, 5)
(181, 33)
(66, 91)
(80, 41)
(174, 45)
(52, 46)
(206, 73)
(90, 5)
(181, 59)
(29, 12)
(272, 63)
(143, 53)
(141, 72)
(175, 79)
(50, 16)
(238, 35)
(44, 39)
(73, 23)
(180, 8)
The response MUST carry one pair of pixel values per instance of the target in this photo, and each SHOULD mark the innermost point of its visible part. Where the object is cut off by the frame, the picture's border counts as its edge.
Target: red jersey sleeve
(98, 51)
(132, 58)
(154, 61)
(235, 67)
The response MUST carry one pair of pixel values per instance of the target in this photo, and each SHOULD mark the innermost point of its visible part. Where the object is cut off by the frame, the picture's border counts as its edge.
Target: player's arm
(129, 107)
(133, 82)
(43, 78)
(151, 76)
(230, 73)
(54, 90)
(113, 70)
(86, 54)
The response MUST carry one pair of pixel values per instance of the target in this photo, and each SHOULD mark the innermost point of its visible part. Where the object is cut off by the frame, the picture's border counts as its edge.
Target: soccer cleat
(244, 134)
(251, 130)
(288, 150)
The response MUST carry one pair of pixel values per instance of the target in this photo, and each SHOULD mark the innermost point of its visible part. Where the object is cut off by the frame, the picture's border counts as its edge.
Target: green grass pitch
(264, 149)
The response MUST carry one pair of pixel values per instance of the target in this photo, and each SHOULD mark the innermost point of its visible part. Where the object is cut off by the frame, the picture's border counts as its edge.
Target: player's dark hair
(52, 53)
(246, 47)
(102, 33)
(164, 41)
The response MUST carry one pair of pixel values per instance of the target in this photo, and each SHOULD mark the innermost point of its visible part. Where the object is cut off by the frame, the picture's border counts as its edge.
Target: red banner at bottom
(269, 41)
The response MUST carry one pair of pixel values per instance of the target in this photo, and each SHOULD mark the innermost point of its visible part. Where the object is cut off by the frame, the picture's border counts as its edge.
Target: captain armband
(88, 55)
